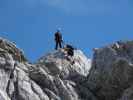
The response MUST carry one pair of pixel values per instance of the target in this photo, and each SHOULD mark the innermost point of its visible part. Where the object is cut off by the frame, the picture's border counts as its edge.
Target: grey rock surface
(57, 64)
(109, 76)
(112, 71)
(127, 94)
(53, 77)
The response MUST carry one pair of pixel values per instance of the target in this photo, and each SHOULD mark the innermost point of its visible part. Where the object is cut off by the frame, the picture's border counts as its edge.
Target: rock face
(15, 83)
(60, 78)
(111, 74)
(54, 77)
(57, 64)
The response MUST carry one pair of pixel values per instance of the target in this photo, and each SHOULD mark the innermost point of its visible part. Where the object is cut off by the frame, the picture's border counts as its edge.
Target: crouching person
(69, 53)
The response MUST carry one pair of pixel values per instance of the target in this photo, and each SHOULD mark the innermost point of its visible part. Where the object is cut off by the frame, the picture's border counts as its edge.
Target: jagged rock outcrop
(53, 77)
(57, 64)
(15, 83)
(111, 75)
(58, 77)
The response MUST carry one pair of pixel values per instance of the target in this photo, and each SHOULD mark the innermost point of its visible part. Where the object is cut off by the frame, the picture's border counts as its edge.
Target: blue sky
(85, 23)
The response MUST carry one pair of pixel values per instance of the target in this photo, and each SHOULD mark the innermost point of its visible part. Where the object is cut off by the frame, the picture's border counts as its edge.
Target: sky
(86, 24)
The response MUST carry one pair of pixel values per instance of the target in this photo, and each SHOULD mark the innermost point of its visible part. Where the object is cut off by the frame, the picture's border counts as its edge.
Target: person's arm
(61, 37)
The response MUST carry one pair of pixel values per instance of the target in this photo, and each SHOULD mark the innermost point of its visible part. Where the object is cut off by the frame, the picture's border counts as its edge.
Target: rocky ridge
(108, 76)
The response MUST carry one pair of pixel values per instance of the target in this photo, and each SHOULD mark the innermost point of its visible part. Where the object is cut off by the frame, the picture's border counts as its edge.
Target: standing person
(58, 39)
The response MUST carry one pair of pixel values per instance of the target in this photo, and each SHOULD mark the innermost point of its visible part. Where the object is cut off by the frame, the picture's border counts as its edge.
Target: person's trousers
(58, 44)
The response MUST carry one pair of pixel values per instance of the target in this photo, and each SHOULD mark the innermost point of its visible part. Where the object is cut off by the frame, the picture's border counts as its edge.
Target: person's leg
(60, 45)
(56, 45)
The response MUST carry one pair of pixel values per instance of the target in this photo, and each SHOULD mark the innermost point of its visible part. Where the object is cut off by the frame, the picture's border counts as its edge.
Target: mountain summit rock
(108, 76)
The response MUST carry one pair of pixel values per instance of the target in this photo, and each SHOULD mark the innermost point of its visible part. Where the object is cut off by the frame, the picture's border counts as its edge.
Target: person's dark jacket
(58, 37)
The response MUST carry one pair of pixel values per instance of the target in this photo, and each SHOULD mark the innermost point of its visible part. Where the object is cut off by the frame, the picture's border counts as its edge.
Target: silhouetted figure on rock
(69, 49)
(58, 39)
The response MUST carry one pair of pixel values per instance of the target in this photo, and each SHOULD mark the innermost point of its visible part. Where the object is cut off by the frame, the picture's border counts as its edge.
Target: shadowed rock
(111, 72)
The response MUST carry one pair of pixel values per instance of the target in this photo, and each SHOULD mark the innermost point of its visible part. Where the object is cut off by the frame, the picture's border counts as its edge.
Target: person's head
(59, 29)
